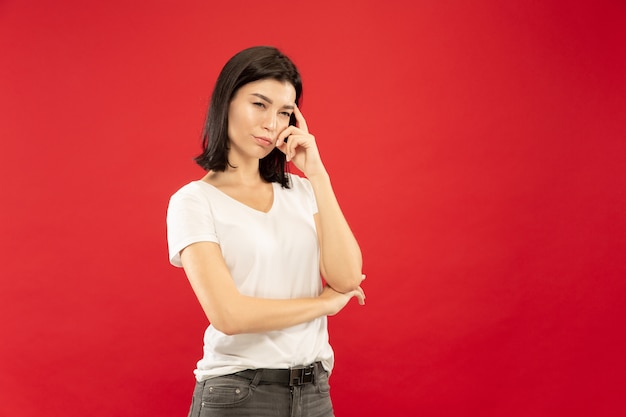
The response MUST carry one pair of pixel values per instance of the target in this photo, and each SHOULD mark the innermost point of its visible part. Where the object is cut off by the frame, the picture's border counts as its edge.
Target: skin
(259, 121)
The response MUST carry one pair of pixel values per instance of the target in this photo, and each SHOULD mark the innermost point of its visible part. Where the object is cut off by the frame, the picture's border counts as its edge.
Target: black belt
(292, 377)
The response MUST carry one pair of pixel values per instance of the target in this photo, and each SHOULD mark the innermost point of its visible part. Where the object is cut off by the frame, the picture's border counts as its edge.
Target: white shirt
(269, 255)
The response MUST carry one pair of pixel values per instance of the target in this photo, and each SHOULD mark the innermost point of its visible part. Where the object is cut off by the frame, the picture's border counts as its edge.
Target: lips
(263, 141)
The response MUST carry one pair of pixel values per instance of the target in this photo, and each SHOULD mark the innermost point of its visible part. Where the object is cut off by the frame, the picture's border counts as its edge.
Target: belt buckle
(301, 375)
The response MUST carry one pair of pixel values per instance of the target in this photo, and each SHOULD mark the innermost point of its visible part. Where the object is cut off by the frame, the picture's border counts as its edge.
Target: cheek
(233, 116)
(238, 120)
(243, 117)
(283, 124)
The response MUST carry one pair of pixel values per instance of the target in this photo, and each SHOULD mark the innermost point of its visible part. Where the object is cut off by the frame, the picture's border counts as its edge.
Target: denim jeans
(234, 395)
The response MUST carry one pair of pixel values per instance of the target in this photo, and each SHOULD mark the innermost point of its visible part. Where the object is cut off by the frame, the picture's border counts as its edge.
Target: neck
(244, 174)
(241, 175)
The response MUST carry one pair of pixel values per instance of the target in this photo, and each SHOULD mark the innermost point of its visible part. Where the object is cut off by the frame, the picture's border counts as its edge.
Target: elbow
(228, 327)
(226, 322)
(345, 288)
(343, 275)
(227, 330)
(347, 283)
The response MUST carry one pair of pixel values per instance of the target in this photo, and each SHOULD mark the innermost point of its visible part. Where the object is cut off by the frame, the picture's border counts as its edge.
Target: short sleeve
(304, 186)
(189, 220)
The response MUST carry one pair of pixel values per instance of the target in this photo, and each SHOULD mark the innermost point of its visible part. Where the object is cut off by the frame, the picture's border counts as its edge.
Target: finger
(361, 298)
(360, 295)
(286, 133)
(282, 136)
(300, 119)
(292, 144)
(282, 143)
(281, 146)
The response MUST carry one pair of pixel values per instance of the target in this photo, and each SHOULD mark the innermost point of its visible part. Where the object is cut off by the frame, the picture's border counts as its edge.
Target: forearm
(231, 312)
(341, 260)
(245, 314)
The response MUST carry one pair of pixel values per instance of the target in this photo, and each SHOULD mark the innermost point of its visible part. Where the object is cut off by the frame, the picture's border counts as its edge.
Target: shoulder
(190, 208)
(193, 190)
(302, 190)
(194, 196)
(299, 183)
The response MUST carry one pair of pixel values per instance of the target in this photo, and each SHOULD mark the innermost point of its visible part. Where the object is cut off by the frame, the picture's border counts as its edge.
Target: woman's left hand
(300, 147)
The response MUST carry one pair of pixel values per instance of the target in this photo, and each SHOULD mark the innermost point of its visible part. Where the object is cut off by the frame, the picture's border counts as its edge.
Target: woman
(254, 240)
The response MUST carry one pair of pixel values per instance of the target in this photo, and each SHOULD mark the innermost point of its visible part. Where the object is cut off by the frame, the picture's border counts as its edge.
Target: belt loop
(257, 378)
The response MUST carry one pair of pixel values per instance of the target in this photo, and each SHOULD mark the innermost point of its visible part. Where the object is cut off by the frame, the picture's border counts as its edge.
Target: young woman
(254, 241)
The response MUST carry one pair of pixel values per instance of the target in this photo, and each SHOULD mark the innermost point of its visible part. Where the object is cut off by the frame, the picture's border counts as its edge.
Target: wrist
(318, 176)
(326, 302)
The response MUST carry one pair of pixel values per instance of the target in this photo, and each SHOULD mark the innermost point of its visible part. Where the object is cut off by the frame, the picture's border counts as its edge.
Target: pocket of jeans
(223, 392)
(323, 385)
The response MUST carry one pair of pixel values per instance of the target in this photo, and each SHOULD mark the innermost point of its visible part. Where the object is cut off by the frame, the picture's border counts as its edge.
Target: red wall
(478, 150)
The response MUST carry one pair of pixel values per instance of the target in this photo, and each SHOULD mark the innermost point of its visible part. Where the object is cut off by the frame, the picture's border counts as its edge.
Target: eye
(259, 104)
(285, 113)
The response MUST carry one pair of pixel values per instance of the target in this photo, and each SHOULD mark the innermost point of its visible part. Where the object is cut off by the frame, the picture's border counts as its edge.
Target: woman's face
(257, 114)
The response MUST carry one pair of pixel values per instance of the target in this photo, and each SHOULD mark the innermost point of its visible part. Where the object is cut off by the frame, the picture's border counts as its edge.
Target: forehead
(281, 92)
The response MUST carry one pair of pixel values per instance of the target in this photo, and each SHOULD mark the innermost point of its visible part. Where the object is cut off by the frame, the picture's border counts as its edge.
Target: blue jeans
(235, 395)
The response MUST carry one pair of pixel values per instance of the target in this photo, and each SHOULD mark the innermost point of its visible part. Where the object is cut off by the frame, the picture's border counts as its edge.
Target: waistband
(292, 377)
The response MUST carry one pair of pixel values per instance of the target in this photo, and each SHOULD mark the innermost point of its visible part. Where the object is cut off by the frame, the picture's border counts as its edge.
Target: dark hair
(252, 64)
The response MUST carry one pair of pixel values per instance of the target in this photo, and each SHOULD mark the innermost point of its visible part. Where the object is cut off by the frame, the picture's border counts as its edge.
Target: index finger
(300, 119)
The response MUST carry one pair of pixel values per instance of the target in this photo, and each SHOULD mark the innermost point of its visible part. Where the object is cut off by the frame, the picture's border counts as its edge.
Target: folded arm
(231, 312)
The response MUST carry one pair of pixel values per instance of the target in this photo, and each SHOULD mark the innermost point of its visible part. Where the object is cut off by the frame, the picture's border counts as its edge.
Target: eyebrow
(262, 97)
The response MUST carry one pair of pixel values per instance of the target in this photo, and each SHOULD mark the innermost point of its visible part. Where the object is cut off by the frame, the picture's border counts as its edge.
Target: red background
(477, 148)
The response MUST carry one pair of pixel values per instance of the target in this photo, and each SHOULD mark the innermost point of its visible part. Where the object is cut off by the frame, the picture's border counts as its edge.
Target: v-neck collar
(244, 204)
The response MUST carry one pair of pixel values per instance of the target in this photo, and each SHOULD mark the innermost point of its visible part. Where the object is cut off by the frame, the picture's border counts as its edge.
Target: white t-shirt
(269, 255)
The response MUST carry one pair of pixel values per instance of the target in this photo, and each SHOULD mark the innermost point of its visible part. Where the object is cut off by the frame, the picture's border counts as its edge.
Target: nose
(270, 121)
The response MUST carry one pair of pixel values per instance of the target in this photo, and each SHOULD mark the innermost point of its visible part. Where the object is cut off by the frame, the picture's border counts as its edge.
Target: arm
(341, 261)
(231, 312)
(340, 255)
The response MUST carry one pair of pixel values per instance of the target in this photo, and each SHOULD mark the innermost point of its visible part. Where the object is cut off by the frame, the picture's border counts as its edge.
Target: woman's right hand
(337, 300)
